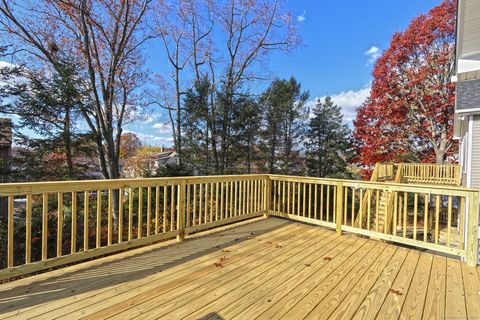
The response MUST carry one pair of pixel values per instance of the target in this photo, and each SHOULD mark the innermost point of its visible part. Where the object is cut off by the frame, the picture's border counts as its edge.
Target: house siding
(475, 153)
(470, 30)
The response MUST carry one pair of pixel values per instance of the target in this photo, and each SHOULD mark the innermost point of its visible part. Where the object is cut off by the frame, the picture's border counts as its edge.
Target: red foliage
(409, 115)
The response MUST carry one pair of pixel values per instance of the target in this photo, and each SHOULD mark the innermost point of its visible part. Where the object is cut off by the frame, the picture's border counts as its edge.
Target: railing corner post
(268, 195)
(181, 211)
(339, 208)
(472, 230)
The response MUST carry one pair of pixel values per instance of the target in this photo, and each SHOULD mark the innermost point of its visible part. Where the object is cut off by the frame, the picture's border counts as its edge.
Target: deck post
(267, 196)
(472, 230)
(339, 208)
(181, 211)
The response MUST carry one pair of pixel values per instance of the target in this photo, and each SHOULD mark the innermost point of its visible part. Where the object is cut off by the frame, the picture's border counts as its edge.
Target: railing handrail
(21, 188)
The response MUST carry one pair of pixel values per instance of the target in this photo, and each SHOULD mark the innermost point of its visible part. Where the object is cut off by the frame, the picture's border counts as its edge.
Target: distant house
(467, 104)
(148, 164)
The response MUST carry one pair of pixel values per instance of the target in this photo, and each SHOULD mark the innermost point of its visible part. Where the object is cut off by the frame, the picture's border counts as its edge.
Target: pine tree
(327, 142)
(285, 111)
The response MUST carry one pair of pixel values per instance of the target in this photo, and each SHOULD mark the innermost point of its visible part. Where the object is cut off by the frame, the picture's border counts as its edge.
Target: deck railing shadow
(109, 274)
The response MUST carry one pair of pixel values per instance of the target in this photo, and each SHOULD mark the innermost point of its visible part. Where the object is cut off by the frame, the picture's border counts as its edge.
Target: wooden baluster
(130, 214)
(194, 209)
(109, 218)
(304, 211)
(86, 209)
(200, 195)
(10, 231)
(172, 208)
(339, 209)
(120, 215)
(283, 197)
(227, 200)
(461, 222)
(294, 198)
(437, 217)
(405, 208)
(327, 211)
(211, 202)
(345, 207)
(73, 240)
(239, 199)
(377, 209)
(395, 212)
(217, 203)
(288, 197)
(44, 226)
(275, 196)
(299, 209)
(232, 210)
(98, 239)
(352, 222)
(28, 229)
(315, 212)
(310, 200)
(149, 210)
(181, 211)
(222, 187)
(244, 192)
(187, 222)
(157, 209)
(165, 212)
(140, 213)
(59, 224)
(369, 209)
(321, 202)
(361, 208)
(449, 221)
(425, 218)
(415, 215)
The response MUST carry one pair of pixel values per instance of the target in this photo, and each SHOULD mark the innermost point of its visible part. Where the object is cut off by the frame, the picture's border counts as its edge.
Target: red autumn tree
(409, 115)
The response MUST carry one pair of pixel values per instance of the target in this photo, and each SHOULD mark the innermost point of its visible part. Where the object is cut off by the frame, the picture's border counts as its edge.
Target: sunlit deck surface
(266, 269)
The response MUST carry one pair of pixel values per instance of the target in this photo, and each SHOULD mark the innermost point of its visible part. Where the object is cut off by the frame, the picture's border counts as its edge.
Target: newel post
(339, 208)
(472, 230)
(181, 211)
(267, 195)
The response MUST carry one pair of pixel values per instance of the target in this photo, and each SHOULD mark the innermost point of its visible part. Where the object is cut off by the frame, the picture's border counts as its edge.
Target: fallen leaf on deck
(395, 292)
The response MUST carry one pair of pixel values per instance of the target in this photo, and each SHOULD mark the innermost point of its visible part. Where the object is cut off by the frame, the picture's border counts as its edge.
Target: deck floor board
(267, 269)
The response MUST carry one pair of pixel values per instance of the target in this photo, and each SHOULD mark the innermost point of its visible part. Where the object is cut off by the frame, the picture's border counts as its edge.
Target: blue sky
(341, 40)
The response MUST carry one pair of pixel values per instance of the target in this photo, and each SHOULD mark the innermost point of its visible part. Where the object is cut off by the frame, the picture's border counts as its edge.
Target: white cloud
(302, 17)
(348, 101)
(164, 128)
(152, 139)
(373, 54)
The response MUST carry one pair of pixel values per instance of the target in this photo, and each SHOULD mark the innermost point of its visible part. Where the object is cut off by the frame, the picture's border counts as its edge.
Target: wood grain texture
(269, 269)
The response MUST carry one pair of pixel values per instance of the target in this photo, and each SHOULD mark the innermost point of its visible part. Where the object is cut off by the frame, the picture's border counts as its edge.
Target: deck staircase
(378, 222)
(386, 198)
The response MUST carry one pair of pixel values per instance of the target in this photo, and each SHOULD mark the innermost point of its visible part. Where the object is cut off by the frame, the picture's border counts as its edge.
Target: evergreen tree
(285, 111)
(48, 105)
(196, 122)
(327, 142)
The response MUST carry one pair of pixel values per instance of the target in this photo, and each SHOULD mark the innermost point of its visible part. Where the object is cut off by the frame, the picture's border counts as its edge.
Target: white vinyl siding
(475, 153)
(470, 28)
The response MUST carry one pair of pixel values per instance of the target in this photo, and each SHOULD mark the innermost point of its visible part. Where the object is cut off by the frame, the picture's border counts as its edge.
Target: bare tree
(253, 29)
(103, 38)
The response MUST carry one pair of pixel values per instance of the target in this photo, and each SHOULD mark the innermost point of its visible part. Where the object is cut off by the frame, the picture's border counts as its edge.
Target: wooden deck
(266, 269)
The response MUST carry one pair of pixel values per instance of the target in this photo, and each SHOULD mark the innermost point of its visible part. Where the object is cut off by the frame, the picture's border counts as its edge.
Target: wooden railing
(49, 224)
(438, 218)
(447, 174)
